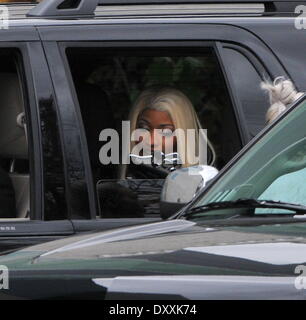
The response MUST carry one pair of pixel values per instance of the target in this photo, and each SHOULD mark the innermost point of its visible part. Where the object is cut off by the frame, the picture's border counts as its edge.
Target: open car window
(110, 84)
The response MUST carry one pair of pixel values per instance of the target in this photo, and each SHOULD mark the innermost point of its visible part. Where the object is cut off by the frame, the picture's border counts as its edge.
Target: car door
(66, 45)
(30, 153)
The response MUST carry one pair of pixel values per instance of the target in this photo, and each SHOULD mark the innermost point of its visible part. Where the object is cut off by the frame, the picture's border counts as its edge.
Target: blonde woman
(161, 112)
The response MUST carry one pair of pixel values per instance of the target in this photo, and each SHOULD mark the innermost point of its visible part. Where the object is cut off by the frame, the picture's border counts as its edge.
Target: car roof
(137, 11)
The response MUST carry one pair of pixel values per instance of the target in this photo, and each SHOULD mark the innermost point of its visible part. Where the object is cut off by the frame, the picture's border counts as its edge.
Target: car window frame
(160, 30)
(222, 33)
(31, 67)
(261, 69)
(28, 94)
(68, 118)
(197, 45)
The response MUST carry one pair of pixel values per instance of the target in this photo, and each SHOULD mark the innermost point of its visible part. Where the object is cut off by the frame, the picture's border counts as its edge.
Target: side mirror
(182, 185)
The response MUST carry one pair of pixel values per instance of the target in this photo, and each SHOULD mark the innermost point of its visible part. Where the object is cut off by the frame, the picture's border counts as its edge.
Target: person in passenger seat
(165, 110)
(160, 111)
(7, 196)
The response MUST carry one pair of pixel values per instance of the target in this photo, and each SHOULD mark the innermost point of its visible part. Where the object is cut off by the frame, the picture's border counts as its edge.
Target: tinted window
(246, 79)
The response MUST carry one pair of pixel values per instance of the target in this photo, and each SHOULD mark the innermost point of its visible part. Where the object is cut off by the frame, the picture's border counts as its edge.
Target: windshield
(273, 169)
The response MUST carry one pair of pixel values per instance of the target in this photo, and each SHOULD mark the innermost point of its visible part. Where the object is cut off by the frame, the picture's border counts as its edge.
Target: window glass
(148, 88)
(254, 101)
(14, 156)
(289, 188)
(273, 169)
(55, 205)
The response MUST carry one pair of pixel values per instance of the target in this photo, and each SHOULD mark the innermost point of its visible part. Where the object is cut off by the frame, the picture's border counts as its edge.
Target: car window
(273, 169)
(289, 188)
(246, 81)
(110, 82)
(14, 128)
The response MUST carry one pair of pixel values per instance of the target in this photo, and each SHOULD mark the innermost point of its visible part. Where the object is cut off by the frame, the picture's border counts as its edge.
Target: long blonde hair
(179, 108)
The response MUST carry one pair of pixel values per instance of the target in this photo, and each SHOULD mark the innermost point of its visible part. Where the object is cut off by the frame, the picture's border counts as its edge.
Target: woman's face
(154, 121)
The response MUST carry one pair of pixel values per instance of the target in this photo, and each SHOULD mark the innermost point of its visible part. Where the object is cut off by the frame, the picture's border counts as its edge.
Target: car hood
(175, 253)
(258, 243)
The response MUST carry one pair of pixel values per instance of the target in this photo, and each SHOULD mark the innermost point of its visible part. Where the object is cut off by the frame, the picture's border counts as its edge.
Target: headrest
(13, 142)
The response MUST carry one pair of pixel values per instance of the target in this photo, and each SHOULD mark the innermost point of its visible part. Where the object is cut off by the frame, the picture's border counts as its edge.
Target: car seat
(13, 138)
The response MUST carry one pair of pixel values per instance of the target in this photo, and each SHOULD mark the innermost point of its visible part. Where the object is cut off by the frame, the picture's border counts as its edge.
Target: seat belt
(21, 122)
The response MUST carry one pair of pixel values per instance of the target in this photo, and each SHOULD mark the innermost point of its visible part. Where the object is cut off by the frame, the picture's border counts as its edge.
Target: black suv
(70, 69)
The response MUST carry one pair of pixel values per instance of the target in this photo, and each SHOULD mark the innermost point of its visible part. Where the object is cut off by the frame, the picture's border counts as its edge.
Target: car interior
(107, 81)
(14, 157)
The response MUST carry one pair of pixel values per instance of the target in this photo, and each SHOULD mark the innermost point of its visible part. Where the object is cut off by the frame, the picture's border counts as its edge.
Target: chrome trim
(180, 9)
(19, 11)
